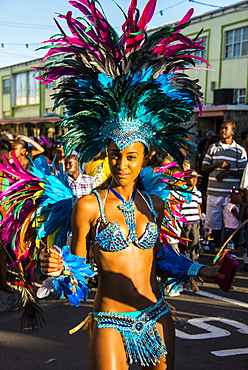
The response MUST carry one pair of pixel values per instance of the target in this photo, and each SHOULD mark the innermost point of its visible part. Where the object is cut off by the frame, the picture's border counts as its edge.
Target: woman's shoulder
(87, 202)
(158, 203)
(91, 200)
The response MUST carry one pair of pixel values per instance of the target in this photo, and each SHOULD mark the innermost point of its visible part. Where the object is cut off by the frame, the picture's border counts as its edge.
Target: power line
(46, 27)
(169, 7)
(5, 54)
(26, 25)
(198, 2)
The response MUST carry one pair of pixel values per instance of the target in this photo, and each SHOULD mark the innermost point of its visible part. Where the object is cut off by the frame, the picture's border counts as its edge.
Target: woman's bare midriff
(127, 280)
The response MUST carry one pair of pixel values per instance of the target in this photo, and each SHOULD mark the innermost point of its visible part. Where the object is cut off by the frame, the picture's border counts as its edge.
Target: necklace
(128, 210)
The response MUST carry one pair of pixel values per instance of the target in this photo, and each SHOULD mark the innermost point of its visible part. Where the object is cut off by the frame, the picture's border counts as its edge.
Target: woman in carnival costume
(124, 93)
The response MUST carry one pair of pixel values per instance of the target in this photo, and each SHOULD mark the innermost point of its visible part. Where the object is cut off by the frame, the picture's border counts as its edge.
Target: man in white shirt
(225, 162)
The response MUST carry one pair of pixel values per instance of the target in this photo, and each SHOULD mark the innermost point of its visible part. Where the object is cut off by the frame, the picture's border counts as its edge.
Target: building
(225, 84)
(26, 106)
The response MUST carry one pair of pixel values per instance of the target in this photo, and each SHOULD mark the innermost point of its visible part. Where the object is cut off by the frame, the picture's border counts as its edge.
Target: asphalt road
(212, 333)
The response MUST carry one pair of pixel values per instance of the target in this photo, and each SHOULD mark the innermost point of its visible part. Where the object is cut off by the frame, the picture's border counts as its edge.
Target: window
(20, 89)
(33, 89)
(236, 43)
(6, 86)
(241, 96)
(26, 89)
(201, 53)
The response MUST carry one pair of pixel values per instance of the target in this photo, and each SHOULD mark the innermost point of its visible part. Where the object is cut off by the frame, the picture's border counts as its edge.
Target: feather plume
(35, 205)
(143, 80)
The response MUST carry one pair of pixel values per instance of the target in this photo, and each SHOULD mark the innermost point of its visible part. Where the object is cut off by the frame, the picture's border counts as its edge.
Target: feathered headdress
(127, 88)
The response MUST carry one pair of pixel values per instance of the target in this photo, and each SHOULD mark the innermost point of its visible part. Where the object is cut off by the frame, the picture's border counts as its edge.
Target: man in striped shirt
(225, 162)
(193, 215)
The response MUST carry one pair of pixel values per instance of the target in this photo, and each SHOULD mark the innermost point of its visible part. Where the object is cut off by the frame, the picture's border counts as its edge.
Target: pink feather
(186, 18)
(147, 14)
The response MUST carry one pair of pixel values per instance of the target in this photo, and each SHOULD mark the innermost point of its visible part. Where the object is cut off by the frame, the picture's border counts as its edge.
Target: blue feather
(74, 287)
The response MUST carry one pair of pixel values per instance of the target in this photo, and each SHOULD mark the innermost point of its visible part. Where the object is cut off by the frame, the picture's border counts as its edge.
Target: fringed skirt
(142, 341)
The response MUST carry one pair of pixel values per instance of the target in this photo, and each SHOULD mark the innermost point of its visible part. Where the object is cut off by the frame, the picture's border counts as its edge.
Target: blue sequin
(111, 238)
(142, 341)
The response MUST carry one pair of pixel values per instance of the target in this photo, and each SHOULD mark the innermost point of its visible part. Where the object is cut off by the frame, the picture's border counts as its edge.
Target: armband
(194, 269)
(72, 283)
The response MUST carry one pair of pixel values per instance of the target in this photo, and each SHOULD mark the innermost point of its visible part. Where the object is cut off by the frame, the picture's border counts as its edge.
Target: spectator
(175, 202)
(240, 197)
(244, 139)
(192, 213)
(209, 134)
(22, 151)
(199, 137)
(231, 218)
(80, 184)
(237, 137)
(57, 153)
(244, 179)
(225, 162)
(203, 182)
(35, 147)
(98, 168)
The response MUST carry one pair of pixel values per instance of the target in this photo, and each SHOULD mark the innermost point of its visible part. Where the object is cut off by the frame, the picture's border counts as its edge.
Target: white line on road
(230, 352)
(220, 298)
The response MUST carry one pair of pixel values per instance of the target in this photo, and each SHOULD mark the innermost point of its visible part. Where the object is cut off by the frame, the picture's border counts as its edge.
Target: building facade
(26, 106)
(225, 83)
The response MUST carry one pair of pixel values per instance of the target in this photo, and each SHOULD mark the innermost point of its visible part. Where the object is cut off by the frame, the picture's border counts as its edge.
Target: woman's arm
(83, 216)
(38, 148)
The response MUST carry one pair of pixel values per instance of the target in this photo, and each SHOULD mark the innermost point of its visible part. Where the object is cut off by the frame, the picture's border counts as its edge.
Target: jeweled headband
(127, 88)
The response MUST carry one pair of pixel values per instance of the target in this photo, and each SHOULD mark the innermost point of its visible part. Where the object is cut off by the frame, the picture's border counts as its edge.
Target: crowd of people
(218, 205)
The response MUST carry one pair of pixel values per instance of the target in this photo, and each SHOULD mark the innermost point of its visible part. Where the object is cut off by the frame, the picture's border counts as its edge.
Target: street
(211, 328)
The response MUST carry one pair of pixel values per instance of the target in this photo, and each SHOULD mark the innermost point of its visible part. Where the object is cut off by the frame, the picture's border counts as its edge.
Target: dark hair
(5, 145)
(23, 143)
(213, 139)
(5, 148)
(72, 156)
(57, 144)
(244, 134)
(234, 126)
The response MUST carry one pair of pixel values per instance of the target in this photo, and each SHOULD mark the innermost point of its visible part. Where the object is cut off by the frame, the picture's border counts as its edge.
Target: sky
(24, 24)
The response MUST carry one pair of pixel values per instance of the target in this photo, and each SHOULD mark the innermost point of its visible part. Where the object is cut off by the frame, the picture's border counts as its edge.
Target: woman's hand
(209, 274)
(52, 263)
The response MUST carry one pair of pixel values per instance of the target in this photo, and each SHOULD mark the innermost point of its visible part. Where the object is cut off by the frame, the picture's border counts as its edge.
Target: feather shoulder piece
(36, 208)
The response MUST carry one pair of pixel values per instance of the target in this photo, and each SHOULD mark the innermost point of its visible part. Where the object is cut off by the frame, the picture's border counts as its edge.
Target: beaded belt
(141, 339)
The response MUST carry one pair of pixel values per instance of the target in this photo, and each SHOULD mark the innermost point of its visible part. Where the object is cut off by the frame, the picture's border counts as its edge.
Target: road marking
(212, 331)
(230, 352)
(220, 298)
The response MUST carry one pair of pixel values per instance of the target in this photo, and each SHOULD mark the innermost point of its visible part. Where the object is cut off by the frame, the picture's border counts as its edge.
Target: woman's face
(19, 150)
(125, 165)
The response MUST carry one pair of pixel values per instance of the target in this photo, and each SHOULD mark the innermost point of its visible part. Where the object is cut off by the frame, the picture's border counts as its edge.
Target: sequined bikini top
(111, 238)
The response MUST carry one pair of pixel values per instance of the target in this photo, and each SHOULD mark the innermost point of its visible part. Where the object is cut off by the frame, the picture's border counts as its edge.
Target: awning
(19, 121)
